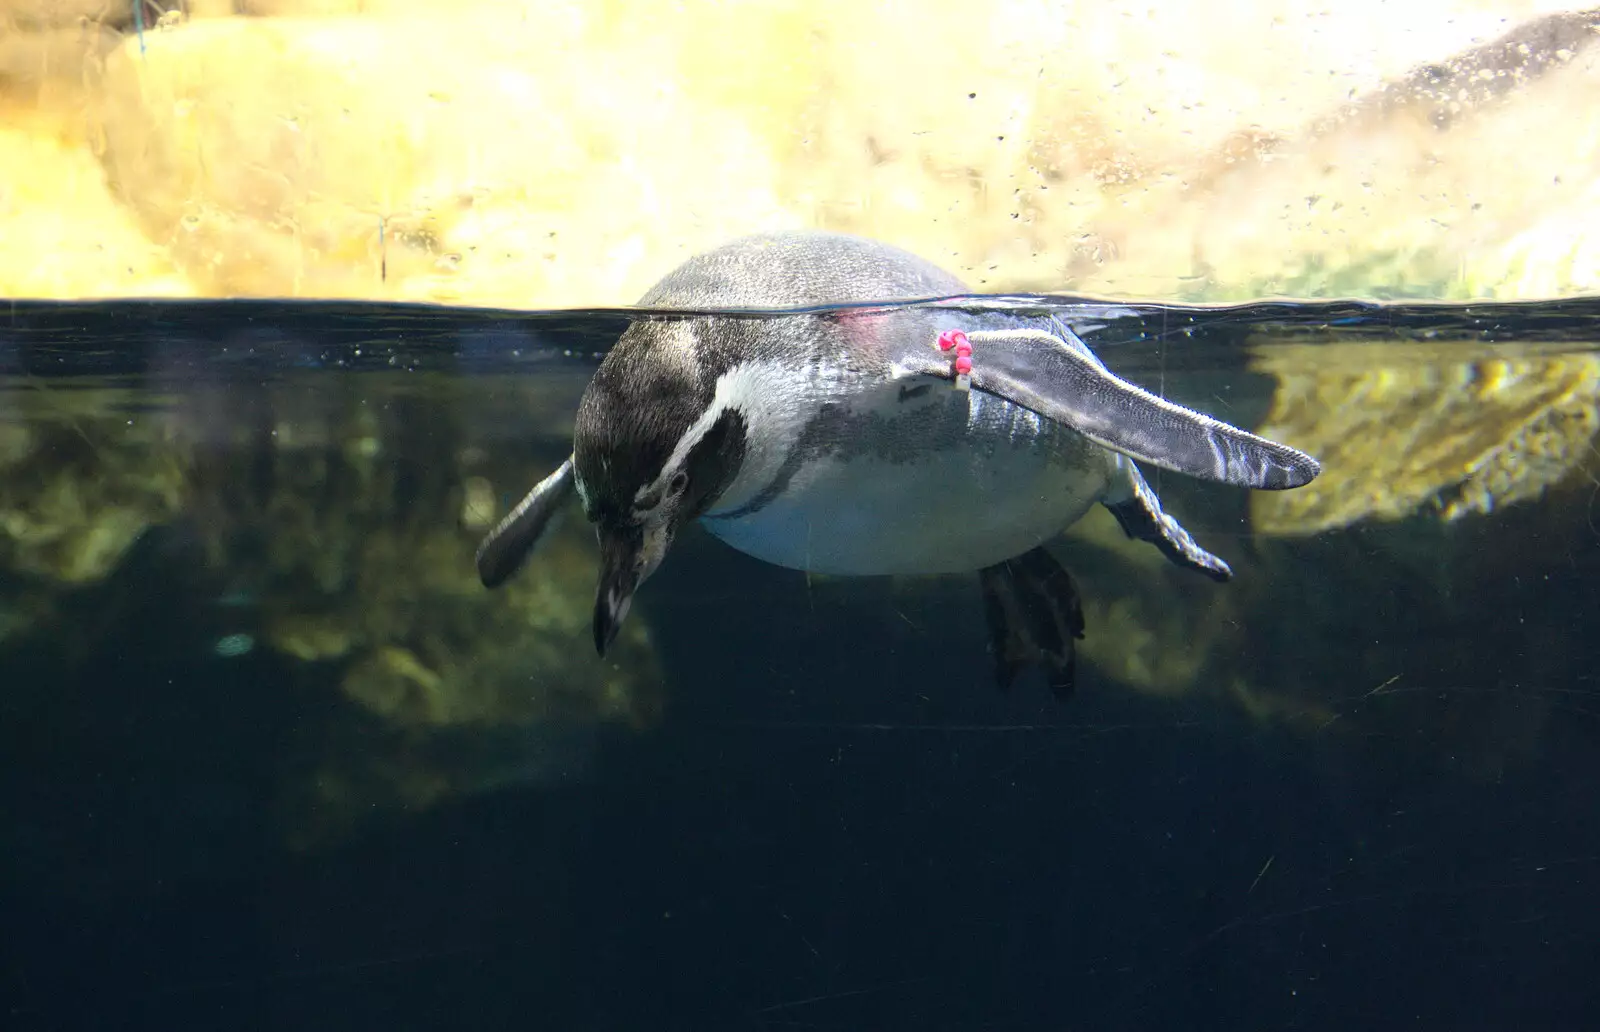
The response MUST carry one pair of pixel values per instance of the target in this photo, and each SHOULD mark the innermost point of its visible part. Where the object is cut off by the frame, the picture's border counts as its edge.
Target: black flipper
(507, 545)
(1142, 519)
(1034, 616)
(1057, 376)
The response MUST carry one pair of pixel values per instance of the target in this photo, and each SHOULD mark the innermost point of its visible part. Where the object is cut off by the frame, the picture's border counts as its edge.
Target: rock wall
(568, 153)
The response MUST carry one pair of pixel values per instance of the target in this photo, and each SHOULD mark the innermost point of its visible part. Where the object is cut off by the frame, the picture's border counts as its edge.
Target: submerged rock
(1435, 427)
(81, 479)
(1150, 626)
(330, 528)
(349, 538)
(348, 534)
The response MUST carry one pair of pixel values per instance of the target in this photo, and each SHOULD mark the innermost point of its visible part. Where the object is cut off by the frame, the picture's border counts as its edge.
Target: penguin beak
(628, 556)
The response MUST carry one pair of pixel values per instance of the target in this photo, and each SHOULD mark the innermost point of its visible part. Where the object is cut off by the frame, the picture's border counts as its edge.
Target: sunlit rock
(371, 8)
(1471, 174)
(440, 159)
(32, 15)
(568, 154)
(64, 234)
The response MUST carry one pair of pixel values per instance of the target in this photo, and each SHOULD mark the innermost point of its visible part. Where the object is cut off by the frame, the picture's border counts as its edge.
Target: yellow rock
(43, 73)
(1409, 194)
(1400, 427)
(570, 153)
(36, 14)
(329, 8)
(65, 236)
(437, 159)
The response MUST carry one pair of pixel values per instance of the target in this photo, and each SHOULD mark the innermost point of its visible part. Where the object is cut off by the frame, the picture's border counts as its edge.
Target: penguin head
(652, 451)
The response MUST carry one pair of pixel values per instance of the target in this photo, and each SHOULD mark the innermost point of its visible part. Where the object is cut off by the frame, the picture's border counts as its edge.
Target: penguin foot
(1034, 616)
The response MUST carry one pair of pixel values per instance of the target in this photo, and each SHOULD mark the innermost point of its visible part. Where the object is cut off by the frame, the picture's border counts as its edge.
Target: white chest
(918, 478)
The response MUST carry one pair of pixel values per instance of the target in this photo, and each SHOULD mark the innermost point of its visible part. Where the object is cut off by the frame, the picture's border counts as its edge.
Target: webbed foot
(1034, 617)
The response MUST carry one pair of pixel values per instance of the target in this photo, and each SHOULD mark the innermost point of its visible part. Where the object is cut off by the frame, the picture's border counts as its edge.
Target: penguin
(872, 439)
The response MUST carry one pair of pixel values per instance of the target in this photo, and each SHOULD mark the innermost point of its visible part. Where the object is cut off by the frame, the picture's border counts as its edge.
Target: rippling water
(273, 758)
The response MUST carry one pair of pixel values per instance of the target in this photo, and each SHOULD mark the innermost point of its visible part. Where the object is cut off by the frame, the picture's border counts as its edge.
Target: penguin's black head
(652, 450)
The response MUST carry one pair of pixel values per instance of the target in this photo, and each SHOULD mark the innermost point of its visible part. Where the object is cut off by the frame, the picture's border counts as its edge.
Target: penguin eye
(680, 480)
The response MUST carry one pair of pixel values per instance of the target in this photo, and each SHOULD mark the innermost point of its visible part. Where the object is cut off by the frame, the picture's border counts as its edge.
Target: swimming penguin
(873, 440)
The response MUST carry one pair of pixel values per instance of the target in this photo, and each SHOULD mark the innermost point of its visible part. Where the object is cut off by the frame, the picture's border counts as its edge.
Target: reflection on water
(244, 642)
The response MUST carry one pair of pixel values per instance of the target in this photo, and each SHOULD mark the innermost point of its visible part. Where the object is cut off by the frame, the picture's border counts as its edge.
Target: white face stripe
(772, 398)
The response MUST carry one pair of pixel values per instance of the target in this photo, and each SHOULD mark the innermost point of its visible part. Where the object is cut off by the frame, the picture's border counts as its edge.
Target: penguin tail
(1034, 617)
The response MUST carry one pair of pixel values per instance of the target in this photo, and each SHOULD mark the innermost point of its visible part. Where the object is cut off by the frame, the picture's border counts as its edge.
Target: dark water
(273, 759)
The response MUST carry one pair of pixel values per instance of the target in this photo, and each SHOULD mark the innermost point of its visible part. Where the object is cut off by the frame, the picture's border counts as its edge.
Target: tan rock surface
(27, 15)
(566, 154)
(311, 158)
(64, 235)
(1480, 184)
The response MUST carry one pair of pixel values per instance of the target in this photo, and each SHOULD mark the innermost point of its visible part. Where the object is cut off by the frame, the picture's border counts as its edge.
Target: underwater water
(273, 758)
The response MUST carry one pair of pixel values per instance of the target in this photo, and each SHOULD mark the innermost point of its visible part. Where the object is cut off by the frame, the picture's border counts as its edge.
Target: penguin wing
(506, 546)
(1061, 379)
